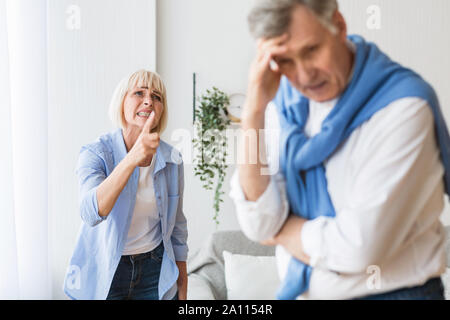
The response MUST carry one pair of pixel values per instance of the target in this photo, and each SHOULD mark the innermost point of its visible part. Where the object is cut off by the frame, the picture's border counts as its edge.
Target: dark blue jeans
(433, 289)
(137, 276)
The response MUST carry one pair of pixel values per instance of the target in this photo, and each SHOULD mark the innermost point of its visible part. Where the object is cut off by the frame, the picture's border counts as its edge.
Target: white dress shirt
(386, 184)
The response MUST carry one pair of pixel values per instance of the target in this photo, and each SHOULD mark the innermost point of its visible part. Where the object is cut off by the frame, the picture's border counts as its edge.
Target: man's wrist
(251, 112)
(252, 118)
(289, 235)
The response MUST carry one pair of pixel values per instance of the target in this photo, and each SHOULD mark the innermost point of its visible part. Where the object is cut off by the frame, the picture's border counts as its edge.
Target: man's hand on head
(264, 76)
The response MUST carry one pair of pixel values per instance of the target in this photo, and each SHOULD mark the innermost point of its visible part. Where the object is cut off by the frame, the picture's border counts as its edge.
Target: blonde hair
(141, 78)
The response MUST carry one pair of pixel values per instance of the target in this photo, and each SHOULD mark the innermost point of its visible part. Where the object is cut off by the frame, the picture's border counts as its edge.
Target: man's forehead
(296, 42)
(305, 26)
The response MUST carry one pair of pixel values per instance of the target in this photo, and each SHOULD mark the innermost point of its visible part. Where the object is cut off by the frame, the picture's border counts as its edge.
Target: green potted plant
(210, 142)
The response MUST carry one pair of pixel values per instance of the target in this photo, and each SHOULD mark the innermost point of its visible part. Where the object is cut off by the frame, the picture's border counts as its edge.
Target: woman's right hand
(142, 152)
(140, 155)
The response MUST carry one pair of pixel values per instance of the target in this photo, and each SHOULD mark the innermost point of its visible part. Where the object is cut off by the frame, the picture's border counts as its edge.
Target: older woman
(132, 244)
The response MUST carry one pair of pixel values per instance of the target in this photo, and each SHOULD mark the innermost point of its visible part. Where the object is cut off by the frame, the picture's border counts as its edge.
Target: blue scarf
(377, 81)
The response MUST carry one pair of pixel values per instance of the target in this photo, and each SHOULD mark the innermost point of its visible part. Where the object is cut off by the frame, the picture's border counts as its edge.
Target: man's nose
(306, 73)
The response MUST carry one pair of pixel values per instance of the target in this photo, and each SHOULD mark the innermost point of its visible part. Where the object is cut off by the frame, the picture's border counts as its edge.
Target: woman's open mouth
(144, 114)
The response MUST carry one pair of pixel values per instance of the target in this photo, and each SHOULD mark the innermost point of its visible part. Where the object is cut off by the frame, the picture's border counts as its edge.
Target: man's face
(317, 62)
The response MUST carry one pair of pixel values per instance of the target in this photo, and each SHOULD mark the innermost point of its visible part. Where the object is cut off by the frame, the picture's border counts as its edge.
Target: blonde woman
(132, 243)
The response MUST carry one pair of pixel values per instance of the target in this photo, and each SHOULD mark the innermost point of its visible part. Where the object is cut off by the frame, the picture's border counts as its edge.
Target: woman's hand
(140, 155)
(264, 79)
(182, 281)
(145, 146)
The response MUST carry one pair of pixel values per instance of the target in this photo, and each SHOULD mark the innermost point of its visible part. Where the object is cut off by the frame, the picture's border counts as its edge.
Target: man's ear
(340, 25)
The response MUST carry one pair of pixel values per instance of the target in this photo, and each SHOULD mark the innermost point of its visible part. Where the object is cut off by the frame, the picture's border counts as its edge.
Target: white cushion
(250, 277)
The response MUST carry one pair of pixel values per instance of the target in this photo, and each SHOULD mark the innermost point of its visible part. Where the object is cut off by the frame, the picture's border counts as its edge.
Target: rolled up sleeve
(262, 219)
(91, 173)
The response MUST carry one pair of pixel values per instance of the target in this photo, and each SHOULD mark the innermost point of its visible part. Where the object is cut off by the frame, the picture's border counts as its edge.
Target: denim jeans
(433, 289)
(137, 276)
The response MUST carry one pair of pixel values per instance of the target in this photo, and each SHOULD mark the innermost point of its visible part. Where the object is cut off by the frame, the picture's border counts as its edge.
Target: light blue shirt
(101, 240)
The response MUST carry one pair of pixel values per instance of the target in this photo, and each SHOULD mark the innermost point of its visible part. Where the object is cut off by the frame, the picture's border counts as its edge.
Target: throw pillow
(250, 277)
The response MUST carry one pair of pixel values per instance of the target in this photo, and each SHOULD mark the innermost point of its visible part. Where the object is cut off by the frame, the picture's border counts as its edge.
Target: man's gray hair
(271, 18)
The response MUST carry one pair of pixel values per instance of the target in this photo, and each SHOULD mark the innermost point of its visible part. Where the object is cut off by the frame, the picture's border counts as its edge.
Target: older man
(364, 161)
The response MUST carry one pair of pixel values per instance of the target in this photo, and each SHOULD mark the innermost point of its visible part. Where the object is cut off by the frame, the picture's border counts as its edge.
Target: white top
(145, 230)
(386, 185)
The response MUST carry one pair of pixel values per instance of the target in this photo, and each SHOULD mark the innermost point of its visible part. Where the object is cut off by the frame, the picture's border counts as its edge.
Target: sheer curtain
(24, 267)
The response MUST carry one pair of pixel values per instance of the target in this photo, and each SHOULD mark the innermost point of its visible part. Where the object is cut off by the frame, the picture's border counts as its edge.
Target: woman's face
(139, 103)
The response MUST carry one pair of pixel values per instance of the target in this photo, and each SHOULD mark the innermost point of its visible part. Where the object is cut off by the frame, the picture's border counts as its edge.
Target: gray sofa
(206, 267)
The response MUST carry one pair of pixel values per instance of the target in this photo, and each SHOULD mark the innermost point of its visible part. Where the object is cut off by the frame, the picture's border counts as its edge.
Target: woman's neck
(130, 135)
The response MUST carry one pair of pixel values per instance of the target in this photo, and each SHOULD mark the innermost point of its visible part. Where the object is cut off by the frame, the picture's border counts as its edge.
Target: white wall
(210, 37)
(115, 37)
